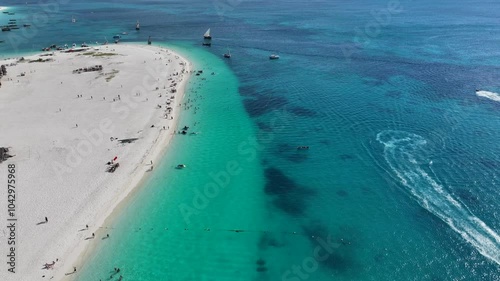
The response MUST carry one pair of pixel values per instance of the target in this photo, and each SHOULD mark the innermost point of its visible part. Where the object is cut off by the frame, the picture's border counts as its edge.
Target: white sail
(207, 34)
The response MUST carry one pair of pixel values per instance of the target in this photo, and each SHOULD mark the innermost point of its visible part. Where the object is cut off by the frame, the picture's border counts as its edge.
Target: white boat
(137, 26)
(274, 57)
(73, 20)
(180, 166)
(207, 35)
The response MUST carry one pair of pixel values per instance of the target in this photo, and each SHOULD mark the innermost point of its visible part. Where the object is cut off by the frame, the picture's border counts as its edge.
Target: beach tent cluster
(88, 69)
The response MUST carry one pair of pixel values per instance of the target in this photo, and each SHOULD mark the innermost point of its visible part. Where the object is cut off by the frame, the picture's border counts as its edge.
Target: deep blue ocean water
(402, 171)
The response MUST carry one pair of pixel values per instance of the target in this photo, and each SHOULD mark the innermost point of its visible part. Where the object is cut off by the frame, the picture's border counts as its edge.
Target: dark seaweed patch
(264, 127)
(467, 196)
(287, 194)
(284, 147)
(262, 104)
(260, 261)
(302, 111)
(261, 269)
(325, 142)
(297, 157)
(380, 257)
(490, 164)
(393, 94)
(291, 153)
(339, 260)
(373, 83)
(247, 91)
(268, 240)
(346, 156)
(342, 193)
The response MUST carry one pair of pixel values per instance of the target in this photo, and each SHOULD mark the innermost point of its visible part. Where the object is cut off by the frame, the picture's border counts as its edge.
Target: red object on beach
(116, 157)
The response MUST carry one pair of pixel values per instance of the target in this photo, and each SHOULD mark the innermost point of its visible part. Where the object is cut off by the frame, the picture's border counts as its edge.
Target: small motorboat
(180, 166)
(208, 44)
(228, 54)
(274, 57)
(302, 147)
(84, 45)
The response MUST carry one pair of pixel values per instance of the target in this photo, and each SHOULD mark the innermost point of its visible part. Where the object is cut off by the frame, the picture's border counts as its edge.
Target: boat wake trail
(488, 95)
(404, 153)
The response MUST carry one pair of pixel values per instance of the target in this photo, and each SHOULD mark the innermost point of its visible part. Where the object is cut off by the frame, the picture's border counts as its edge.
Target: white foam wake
(489, 95)
(402, 151)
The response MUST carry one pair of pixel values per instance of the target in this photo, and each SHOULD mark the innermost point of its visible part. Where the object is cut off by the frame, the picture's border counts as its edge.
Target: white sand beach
(62, 127)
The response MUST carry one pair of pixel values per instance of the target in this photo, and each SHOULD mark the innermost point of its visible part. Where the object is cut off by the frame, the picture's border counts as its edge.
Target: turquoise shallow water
(402, 171)
(167, 222)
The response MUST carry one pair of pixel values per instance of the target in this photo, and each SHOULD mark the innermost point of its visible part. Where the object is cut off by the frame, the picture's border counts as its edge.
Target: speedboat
(274, 57)
(180, 166)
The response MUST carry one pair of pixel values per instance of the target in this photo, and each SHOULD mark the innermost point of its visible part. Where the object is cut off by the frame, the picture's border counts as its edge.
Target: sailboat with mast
(137, 26)
(207, 35)
(207, 39)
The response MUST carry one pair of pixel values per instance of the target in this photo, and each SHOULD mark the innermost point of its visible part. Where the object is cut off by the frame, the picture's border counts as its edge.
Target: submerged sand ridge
(66, 119)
